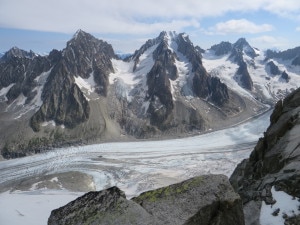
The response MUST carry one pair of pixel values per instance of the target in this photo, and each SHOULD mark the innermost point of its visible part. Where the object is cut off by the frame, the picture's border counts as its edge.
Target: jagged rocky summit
(86, 94)
(206, 200)
(273, 167)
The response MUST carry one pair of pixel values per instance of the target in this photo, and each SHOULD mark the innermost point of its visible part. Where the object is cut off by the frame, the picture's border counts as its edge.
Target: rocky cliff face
(18, 70)
(63, 101)
(207, 200)
(274, 161)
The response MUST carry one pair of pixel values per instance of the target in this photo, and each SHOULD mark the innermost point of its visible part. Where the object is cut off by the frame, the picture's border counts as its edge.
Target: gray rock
(252, 213)
(105, 207)
(275, 159)
(205, 200)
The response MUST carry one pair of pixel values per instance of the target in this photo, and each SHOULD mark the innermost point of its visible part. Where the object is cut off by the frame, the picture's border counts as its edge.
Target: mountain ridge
(169, 87)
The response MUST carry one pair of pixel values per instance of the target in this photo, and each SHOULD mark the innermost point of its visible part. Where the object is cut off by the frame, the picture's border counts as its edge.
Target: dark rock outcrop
(275, 159)
(274, 70)
(243, 77)
(109, 206)
(206, 200)
(285, 76)
(159, 87)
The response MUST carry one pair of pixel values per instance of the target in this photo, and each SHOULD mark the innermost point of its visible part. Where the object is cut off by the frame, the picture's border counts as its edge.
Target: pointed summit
(241, 45)
(80, 34)
(84, 43)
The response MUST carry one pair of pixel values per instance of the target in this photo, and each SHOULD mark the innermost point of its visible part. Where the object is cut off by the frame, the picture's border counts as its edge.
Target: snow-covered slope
(267, 87)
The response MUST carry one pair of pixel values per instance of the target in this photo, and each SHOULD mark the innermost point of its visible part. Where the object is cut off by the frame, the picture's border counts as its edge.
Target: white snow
(287, 205)
(49, 123)
(123, 71)
(272, 87)
(18, 106)
(84, 84)
(4, 91)
(132, 84)
(224, 69)
(184, 68)
(32, 207)
(35, 103)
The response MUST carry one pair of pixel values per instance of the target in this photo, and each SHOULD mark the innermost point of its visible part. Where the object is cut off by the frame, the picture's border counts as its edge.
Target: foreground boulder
(275, 162)
(109, 206)
(205, 200)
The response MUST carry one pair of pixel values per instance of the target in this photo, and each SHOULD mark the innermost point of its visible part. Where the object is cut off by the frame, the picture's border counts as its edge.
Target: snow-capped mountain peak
(241, 45)
(166, 86)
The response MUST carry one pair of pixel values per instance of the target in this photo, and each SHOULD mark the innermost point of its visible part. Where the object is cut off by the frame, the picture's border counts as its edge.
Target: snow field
(286, 204)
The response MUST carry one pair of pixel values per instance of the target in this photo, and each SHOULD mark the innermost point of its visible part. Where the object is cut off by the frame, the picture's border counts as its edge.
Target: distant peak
(241, 42)
(80, 33)
(168, 35)
(17, 52)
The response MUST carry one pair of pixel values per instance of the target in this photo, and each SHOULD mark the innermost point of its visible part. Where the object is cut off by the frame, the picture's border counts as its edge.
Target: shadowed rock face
(275, 159)
(63, 101)
(159, 87)
(206, 200)
(274, 70)
(243, 77)
(285, 76)
(20, 68)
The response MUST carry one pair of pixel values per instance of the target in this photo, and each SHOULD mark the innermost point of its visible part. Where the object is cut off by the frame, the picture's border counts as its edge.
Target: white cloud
(241, 26)
(128, 16)
(265, 42)
(297, 28)
(285, 8)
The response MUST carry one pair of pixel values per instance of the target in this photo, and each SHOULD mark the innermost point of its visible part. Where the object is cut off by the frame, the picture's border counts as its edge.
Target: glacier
(134, 167)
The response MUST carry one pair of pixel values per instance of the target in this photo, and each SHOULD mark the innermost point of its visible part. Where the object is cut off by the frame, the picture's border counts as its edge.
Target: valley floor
(33, 186)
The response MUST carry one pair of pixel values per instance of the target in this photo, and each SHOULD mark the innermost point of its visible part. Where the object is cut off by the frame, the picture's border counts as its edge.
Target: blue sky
(42, 25)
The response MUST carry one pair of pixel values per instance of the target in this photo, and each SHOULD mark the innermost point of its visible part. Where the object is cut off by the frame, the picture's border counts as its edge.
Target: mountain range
(86, 93)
